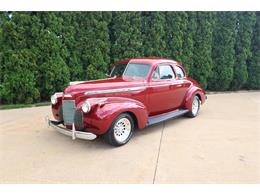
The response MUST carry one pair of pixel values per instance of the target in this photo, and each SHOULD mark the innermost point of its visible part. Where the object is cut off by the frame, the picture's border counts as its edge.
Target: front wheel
(195, 107)
(120, 131)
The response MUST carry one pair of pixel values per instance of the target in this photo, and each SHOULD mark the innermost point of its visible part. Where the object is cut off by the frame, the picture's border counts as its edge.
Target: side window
(163, 72)
(179, 72)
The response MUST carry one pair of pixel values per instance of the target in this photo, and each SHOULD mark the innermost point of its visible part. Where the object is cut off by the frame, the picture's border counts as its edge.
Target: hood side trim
(115, 90)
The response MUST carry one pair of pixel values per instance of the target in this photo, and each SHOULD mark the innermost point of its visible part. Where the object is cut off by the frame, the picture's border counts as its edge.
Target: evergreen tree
(53, 72)
(188, 43)
(202, 47)
(94, 43)
(245, 23)
(176, 25)
(253, 66)
(18, 62)
(153, 34)
(223, 53)
(69, 36)
(40, 52)
(19, 83)
(126, 35)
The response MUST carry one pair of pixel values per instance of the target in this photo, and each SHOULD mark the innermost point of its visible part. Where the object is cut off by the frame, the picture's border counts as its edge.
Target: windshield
(137, 70)
(118, 70)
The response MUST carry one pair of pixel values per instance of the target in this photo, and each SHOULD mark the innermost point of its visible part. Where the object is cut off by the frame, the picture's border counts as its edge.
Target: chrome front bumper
(72, 133)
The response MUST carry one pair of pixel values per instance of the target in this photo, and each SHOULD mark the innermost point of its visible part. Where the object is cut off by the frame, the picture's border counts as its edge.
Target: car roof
(150, 61)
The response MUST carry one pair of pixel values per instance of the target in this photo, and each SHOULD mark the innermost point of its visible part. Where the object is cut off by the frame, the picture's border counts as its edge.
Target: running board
(162, 117)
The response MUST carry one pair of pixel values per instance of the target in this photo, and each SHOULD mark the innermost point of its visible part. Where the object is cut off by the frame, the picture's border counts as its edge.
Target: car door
(181, 85)
(160, 94)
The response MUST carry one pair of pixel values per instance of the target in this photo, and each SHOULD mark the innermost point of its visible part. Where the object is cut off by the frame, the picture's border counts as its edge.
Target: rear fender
(104, 111)
(191, 93)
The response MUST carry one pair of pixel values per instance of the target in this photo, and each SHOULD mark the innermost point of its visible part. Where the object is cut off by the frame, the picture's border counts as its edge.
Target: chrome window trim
(164, 64)
(115, 90)
(112, 70)
(184, 73)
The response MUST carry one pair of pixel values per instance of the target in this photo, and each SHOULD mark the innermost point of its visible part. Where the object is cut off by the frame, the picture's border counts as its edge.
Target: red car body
(143, 99)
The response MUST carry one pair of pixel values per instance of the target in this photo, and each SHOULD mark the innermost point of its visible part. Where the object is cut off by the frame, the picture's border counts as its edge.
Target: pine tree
(69, 37)
(126, 37)
(94, 43)
(245, 24)
(175, 32)
(153, 34)
(253, 65)
(53, 72)
(223, 53)
(41, 51)
(188, 43)
(18, 62)
(202, 47)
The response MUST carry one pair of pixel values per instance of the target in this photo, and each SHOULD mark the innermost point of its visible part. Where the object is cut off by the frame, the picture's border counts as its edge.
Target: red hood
(103, 84)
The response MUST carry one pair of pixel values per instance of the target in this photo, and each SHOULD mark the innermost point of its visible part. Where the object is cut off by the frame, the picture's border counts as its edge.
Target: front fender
(105, 110)
(191, 93)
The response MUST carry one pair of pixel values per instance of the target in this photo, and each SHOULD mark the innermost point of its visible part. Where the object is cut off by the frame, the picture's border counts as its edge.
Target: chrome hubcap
(195, 106)
(122, 129)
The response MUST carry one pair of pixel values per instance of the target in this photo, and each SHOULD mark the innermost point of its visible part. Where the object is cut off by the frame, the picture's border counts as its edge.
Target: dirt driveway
(221, 145)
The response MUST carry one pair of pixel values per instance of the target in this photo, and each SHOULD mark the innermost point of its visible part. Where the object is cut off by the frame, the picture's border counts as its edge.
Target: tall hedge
(223, 51)
(245, 24)
(40, 52)
(153, 34)
(202, 52)
(126, 35)
(187, 58)
(253, 64)
(94, 43)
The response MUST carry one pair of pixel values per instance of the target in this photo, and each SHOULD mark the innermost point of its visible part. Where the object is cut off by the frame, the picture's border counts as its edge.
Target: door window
(163, 72)
(179, 72)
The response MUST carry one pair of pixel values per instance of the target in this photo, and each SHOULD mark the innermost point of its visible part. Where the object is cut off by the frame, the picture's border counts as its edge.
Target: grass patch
(14, 106)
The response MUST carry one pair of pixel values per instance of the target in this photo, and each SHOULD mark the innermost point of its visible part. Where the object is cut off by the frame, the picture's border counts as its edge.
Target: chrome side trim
(160, 85)
(115, 90)
(71, 133)
(67, 95)
(76, 82)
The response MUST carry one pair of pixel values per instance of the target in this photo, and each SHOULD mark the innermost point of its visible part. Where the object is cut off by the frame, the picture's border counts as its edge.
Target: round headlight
(86, 106)
(54, 99)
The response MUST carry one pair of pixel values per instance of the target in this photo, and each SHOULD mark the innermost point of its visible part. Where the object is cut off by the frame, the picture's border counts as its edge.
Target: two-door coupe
(138, 93)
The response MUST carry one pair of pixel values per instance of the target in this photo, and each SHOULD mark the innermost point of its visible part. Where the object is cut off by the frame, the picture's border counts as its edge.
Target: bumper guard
(71, 133)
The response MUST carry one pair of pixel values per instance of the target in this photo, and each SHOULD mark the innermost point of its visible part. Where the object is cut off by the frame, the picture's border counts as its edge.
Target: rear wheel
(120, 131)
(195, 107)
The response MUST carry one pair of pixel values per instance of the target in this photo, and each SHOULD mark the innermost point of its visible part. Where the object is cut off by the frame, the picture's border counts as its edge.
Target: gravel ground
(221, 145)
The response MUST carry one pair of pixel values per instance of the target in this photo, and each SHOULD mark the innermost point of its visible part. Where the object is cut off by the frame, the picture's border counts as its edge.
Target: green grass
(14, 106)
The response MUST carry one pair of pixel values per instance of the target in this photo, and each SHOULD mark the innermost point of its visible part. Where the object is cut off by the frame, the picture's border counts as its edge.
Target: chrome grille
(68, 109)
(78, 120)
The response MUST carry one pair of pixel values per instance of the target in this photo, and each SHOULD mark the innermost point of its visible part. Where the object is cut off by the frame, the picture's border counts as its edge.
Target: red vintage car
(138, 93)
